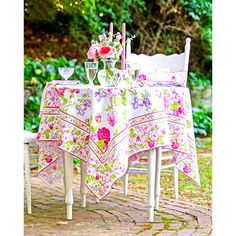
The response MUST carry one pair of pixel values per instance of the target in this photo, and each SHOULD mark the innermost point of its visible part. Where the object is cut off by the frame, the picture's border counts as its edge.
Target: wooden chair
(174, 63)
(28, 138)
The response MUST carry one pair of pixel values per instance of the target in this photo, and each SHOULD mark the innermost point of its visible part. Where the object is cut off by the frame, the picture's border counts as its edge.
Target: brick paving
(116, 215)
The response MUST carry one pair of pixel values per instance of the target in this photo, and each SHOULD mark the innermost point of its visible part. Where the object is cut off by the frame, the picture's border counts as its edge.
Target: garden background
(58, 33)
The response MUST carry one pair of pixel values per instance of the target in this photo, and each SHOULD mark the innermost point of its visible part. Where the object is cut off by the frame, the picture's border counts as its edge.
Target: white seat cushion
(29, 136)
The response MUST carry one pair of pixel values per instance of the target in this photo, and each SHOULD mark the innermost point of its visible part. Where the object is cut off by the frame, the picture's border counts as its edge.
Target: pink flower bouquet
(105, 48)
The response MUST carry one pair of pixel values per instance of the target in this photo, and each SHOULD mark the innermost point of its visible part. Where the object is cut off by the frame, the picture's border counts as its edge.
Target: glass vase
(106, 76)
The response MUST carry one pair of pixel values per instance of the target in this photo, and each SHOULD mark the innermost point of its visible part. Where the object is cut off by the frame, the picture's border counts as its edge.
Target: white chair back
(150, 64)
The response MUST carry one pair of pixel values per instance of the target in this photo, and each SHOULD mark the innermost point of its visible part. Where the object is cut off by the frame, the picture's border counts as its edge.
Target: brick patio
(115, 215)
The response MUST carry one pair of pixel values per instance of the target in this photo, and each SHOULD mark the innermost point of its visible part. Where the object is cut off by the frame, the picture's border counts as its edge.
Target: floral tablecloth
(104, 126)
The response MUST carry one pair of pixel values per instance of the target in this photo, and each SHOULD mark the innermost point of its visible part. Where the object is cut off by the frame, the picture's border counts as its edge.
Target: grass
(188, 191)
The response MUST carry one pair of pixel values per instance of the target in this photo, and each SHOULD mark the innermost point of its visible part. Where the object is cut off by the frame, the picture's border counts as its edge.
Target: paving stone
(167, 233)
(116, 215)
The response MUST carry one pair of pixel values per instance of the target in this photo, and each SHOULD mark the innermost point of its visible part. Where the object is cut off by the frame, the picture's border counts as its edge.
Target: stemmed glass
(66, 72)
(133, 70)
(91, 69)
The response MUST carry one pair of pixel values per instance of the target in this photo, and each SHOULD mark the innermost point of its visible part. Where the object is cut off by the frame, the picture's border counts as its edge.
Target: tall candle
(123, 48)
(111, 31)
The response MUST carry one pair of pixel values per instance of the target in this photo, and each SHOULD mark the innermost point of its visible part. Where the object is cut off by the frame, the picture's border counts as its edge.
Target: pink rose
(138, 138)
(105, 52)
(49, 159)
(151, 144)
(92, 52)
(175, 145)
(186, 169)
(98, 117)
(103, 133)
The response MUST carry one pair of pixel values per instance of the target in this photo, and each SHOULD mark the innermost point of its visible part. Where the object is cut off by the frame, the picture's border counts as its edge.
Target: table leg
(83, 189)
(151, 184)
(27, 178)
(126, 183)
(68, 167)
(158, 178)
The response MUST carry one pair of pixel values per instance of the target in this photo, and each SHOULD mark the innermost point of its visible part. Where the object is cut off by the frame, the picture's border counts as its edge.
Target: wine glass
(91, 69)
(133, 70)
(66, 72)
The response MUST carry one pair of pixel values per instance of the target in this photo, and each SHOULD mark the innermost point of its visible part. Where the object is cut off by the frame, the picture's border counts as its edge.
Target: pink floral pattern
(108, 127)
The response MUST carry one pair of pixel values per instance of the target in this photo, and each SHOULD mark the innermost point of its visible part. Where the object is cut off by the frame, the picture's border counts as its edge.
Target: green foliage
(198, 8)
(36, 74)
(202, 119)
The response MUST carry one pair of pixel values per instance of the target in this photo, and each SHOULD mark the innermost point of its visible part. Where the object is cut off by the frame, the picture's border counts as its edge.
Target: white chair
(174, 63)
(28, 138)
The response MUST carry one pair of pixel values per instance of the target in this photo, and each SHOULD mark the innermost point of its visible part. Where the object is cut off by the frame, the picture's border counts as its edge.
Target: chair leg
(158, 178)
(83, 189)
(27, 178)
(126, 183)
(176, 184)
(69, 200)
(151, 184)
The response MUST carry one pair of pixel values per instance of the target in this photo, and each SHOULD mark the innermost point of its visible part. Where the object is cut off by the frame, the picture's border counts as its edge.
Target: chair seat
(29, 136)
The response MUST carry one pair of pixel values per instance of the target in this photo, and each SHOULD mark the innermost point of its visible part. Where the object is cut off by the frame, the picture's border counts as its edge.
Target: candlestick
(123, 48)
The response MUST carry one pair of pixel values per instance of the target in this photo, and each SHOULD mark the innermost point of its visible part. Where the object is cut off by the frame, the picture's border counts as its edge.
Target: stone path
(116, 215)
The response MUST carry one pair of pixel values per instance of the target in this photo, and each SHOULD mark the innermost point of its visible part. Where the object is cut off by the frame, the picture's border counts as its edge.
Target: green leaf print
(117, 101)
(141, 145)
(116, 131)
(174, 106)
(93, 129)
(100, 144)
(51, 118)
(189, 124)
(125, 115)
(164, 91)
(108, 108)
(132, 133)
(161, 139)
(77, 132)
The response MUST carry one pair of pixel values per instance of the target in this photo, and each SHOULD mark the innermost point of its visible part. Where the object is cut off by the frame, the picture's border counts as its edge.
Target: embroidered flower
(103, 134)
(98, 117)
(38, 136)
(175, 145)
(151, 144)
(60, 91)
(111, 118)
(186, 169)
(141, 78)
(51, 126)
(49, 159)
